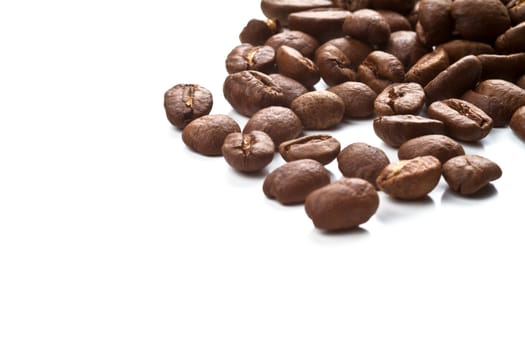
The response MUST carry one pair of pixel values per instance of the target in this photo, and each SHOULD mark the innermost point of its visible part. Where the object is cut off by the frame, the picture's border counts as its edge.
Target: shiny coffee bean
(516, 10)
(322, 148)
(304, 43)
(257, 31)
(367, 25)
(380, 69)
(395, 20)
(521, 82)
(280, 123)
(440, 146)
(400, 98)
(463, 121)
(394, 130)
(355, 50)
(406, 47)
(410, 179)
(293, 64)
(507, 67)
(512, 41)
(510, 95)
(470, 173)
(363, 161)
(186, 102)
(342, 205)
(249, 57)
(292, 182)
(322, 23)
(517, 122)
(334, 66)
(402, 6)
(248, 152)
(357, 97)
(290, 88)
(206, 134)
(319, 110)
(428, 67)
(494, 107)
(352, 5)
(280, 9)
(435, 24)
(457, 49)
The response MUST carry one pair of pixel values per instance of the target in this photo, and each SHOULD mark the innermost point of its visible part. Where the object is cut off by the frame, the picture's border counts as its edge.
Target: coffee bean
(480, 20)
(509, 94)
(248, 91)
(395, 20)
(352, 5)
(248, 152)
(512, 41)
(400, 98)
(435, 23)
(413, 16)
(516, 10)
(380, 69)
(457, 49)
(363, 161)
(469, 173)
(257, 31)
(322, 148)
(463, 121)
(342, 205)
(292, 63)
(428, 67)
(494, 107)
(507, 67)
(292, 182)
(249, 57)
(521, 82)
(290, 88)
(402, 6)
(186, 102)
(319, 110)
(280, 9)
(334, 66)
(280, 123)
(406, 47)
(206, 134)
(455, 80)
(357, 97)
(394, 130)
(517, 122)
(322, 23)
(355, 50)
(410, 179)
(367, 25)
(304, 43)
(440, 146)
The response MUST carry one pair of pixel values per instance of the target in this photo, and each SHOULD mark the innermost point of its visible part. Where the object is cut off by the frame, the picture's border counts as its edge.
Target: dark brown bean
(463, 121)
(494, 107)
(319, 110)
(363, 161)
(257, 31)
(334, 66)
(206, 134)
(428, 67)
(355, 50)
(280, 9)
(357, 97)
(457, 49)
(509, 94)
(517, 122)
(322, 23)
(342, 205)
(516, 10)
(290, 88)
(395, 20)
(400, 98)
(394, 130)
(292, 182)
(248, 152)
(380, 69)
(406, 47)
(402, 6)
(440, 146)
(469, 173)
(521, 82)
(300, 41)
(249, 57)
(186, 102)
(248, 91)
(292, 63)
(480, 20)
(435, 23)
(367, 25)
(352, 5)
(322, 148)
(512, 41)
(455, 80)
(507, 67)
(280, 123)
(410, 179)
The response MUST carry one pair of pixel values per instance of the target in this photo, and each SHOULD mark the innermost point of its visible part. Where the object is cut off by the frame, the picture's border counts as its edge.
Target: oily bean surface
(395, 20)
(394, 130)
(400, 98)
(512, 41)
(363, 161)
(494, 107)
(248, 152)
(281, 9)
(507, 67)
(304, 43)
(358, 99)
(206, 134)
(333, 64)
(186, 102)
(322, 148)
(469, 173)
(435, 24)
(440, 146)
(428, 67)
(367, 25)
(280, 123)
(517, 122)
(509, 94)
(292, 63)
(380, 69)
(319, 110)
(290, 88)
(249, 57)
(257, 31)
(322, 23)
(406, 47)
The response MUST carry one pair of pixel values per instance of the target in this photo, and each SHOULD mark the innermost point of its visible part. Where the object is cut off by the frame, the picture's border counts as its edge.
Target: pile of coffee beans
(429, 74)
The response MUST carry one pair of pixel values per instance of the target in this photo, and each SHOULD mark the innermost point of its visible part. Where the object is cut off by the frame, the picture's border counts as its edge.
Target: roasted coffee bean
(322, 23)
(249, 57)
(512, 41)
(248, 91)
(290, 88)
(248, 152)
(413, 16)
(322, 148)
(206, 134)
(334, 66)
(352, 5)
(394, 130)
(457, 49)
(380, 69)
(292, 182)
(455, 80)
(304, 43)
(507, 67)
(440, 146)
(363, 161)
(280, 123)
(395, 20)
(410, 179)
(367, 25)
(480, 20)
(186, 102)
(342, 205)
(469, 173)
(521, 82)
(400, 98)
(357, 97)
(406, 47)
(463, 121)
(516, 10)
(494, 107)
(517, 122)
(509, 94)
(292, 63)
(280, 9)
(257, 31)
(435, 23)
(428, 67)
(402, 6)
(355, 50)
(319, 110)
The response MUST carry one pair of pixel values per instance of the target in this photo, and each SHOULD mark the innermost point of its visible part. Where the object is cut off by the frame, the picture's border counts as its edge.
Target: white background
(113, 235)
